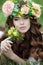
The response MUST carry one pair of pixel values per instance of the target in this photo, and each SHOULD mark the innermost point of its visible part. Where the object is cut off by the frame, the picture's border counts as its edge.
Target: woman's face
(21, 24)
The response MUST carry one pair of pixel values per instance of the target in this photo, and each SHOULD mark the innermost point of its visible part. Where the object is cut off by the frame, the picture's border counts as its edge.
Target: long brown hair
(33, 35)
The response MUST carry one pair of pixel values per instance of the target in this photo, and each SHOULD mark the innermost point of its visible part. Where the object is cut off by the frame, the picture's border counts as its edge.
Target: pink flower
(37, 12)
(8, 7)
(24, 10)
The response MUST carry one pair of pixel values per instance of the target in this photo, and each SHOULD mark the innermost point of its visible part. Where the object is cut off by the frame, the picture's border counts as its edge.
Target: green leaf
(14, 14)
(16, 1)
(30, 3)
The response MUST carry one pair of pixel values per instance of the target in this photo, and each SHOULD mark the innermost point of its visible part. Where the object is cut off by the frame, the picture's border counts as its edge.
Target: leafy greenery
(1, 2)
(3, 18)
(14, 34)
(15, 1)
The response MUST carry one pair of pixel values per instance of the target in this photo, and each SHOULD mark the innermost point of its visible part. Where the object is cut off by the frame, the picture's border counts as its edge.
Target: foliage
(3, 18)
(14, 34)
(16, 1)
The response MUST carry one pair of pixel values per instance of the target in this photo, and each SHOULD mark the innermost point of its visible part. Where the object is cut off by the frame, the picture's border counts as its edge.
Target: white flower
(8, 7)
(24, 10)
(37, 11)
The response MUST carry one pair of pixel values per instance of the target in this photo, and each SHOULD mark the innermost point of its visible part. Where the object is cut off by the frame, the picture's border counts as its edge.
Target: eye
(16, 19)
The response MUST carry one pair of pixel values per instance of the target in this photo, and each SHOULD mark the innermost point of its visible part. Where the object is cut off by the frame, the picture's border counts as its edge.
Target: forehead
(21, 17)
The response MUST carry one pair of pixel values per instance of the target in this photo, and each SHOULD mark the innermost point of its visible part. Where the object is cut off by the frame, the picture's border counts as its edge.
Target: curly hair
(33, 38)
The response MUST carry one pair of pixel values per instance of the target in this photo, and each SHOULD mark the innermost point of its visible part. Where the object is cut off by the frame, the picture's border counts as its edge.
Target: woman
(23, 16)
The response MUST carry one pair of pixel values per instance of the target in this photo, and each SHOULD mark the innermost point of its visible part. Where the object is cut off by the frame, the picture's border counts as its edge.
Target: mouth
(22, 28)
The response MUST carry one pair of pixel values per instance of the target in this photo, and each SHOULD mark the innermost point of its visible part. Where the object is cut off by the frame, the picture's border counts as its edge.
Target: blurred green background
(3, 17)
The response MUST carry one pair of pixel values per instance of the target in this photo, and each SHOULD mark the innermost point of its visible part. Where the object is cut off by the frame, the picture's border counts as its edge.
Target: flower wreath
(30, 9)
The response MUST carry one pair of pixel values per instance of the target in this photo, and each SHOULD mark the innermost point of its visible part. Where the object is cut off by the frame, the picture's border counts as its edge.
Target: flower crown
(29, 9)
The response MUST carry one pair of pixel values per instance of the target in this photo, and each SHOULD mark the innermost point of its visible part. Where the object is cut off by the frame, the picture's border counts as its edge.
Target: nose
(22, 22)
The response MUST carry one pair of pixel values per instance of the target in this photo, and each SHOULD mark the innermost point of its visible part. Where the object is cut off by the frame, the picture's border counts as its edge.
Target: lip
(23, 27)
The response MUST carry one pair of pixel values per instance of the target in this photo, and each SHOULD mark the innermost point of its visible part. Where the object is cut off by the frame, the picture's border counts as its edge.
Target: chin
(23, 31)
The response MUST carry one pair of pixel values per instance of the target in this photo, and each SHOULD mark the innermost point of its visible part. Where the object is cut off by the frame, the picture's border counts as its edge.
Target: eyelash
(16, 19)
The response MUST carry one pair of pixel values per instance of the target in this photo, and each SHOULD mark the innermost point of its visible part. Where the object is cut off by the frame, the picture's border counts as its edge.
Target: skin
(22, 25)
(7, 51)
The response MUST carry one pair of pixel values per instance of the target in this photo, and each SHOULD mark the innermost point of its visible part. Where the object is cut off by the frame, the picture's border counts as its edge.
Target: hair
(32, 36)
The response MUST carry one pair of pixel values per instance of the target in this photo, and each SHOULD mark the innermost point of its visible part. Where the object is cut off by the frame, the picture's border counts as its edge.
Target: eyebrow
(25, 17)
(16, 17)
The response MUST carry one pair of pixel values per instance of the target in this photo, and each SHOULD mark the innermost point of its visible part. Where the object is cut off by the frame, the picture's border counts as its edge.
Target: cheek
(27, 21)
(28, 24)
(16, 24)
